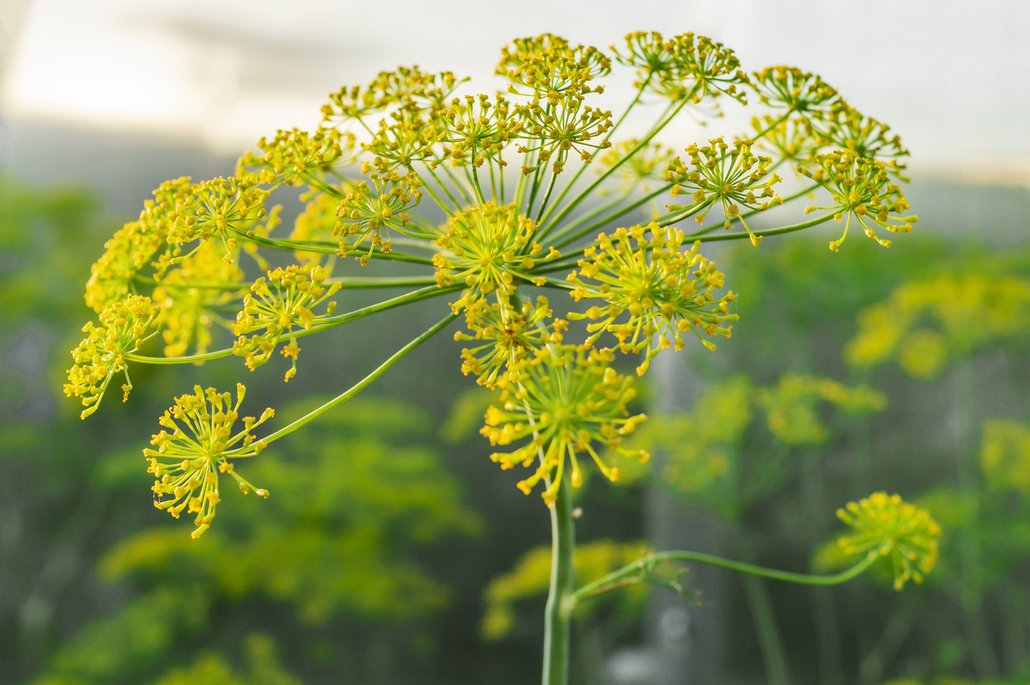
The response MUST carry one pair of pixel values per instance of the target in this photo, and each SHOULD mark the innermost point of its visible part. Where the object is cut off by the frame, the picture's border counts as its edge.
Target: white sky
(954, 81)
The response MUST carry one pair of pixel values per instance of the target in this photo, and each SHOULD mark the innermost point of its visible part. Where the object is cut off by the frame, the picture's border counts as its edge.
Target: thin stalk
(558, 614)
(773, 655)
(323, 324)
(324, 248)
(769, 231)
(547, 196)
(611, 131)
(355, 282)
(364, 382)
(827, 637)
(663, 121)
(600, 223)
(599, 209)
(625, 575)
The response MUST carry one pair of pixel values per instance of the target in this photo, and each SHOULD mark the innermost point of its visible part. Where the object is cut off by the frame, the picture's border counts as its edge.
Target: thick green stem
(559, 597)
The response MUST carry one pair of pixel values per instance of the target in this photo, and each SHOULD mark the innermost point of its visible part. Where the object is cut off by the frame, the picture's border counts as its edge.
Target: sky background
(951, 79)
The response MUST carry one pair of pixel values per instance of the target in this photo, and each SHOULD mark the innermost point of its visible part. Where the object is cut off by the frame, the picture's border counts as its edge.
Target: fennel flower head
(565, 248)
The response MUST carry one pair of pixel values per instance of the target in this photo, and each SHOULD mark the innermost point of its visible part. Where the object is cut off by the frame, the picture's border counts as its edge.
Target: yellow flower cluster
(124, 325)
(132, 248)
(729, 175)
(925, 324)
(505, 336)
(191, 297)
(371, 207)
(888, 527)
(654, 290)
(196, 446)
(291, 155)
(488, 248)
(790, 88)
(493, 233)
(1005, 455)
(216, 206)
(475, 129)
(280, 303)
(549, 66)
(860, 188)
(405, 87)
(792, 406)
(686, 67)
(568, 401)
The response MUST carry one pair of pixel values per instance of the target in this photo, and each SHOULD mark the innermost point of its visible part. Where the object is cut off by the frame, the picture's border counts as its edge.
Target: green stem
(769, 231)
(773, 655)
(323, 324)
(562, 237)
(356, 282)
(611, 132)
(663, 121)
(638, 568)
(557, 626)
(364, 382)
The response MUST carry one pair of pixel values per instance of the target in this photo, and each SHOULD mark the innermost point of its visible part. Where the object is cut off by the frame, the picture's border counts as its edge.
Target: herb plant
(499, 204)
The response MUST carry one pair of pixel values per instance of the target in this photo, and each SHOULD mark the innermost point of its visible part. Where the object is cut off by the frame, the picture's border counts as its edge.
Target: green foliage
(341, 537)
(148, 630)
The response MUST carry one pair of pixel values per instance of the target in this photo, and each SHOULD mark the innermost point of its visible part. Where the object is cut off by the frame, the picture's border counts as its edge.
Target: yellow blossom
(280, 303)
(888, 527)
(124, 325)
(567, 403)
(861, 188)
(662, 289)
(195, 447)
(728, 175)
(502, 336)
(489, 248)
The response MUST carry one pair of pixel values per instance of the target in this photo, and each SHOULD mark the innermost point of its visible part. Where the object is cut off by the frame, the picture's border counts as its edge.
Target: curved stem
(557, 627)
(364, 382)
(620, 577)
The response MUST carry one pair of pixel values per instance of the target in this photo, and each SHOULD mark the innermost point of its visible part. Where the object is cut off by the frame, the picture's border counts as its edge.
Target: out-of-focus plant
(926, 324)
(415, 165)
(341, 540)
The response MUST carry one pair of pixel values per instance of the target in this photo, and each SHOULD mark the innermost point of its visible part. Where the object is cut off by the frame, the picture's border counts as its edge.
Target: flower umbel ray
(567, 401)
(196, 446)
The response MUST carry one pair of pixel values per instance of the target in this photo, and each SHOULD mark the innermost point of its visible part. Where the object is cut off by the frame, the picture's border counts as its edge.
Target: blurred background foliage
(393, 551)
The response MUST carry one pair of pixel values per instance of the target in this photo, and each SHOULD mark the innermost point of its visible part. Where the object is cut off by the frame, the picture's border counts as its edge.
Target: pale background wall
(950, 76)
